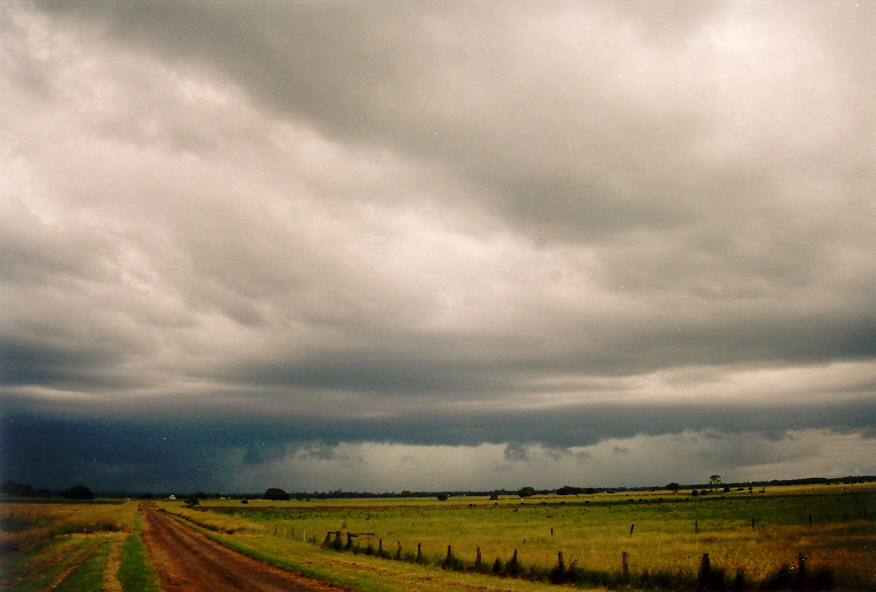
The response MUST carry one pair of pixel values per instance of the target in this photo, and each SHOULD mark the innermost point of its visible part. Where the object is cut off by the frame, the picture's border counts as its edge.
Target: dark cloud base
(138, 454)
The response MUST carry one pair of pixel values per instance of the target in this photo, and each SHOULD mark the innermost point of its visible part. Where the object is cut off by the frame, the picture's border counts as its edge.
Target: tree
(275, 493)
(192, 501)
(673, 487)
(715, 481)
(526, 491)
(13, 489)
(77, 492)
(569, 490)
(442, 497)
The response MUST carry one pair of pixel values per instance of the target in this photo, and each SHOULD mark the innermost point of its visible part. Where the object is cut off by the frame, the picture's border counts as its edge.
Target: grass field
(670, 533)
(96, 546)
(71, 547)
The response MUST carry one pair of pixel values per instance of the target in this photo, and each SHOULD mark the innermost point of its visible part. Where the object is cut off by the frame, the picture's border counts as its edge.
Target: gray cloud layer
(466, 220)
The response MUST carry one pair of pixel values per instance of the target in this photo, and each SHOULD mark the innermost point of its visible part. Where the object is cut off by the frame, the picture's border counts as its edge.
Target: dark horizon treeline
(13, 489)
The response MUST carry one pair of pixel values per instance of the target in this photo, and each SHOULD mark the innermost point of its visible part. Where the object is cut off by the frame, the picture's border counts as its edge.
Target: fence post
(349, 539)
(625, 564)
(705, 569)
(293, 533)
(696, 526)
(478, 559)
(552, 531)
(801, 566)
(449, 555)
(398, 550)
(560, 564)
(380, 547)
(632, 526)
(752, 523)
(810, 519)
(419, 552)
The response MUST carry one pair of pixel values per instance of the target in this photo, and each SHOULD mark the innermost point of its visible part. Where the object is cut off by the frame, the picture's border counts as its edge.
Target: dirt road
(187, 561)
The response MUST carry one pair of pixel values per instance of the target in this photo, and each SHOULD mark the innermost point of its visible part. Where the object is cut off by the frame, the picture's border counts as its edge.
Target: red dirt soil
(187, 561)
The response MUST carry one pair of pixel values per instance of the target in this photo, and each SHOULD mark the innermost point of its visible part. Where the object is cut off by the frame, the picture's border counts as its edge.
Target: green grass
(37, 569)
(136, 573)
(88, 575)
(47, 543)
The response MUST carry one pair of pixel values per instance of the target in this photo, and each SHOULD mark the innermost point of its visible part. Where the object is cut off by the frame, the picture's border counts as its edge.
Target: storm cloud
(288, 234)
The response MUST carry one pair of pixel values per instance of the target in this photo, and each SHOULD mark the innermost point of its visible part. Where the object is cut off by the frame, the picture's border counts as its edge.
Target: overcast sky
(451, 245)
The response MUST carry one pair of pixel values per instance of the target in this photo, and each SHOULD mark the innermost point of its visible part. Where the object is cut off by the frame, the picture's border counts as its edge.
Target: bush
(276, 494)
(77, 492)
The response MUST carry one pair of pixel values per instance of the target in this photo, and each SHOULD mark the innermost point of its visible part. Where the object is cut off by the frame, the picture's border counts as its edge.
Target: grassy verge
(43, 545)
(88, 575)
(136, 573)
(39, 569)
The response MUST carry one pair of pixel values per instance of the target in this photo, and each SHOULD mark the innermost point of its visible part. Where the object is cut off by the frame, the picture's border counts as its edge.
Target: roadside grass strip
(59, 546)
(136, 573)
(43, 568)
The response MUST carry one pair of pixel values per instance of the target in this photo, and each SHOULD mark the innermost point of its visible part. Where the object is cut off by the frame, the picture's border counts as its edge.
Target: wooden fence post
(380, 547)
(478, 559)
(752, 523)
(560, 564)
(632, 526)
(419, 552)
(705, 569)
(449, 555)
(552, 531)
(398, 550)
(625, 564)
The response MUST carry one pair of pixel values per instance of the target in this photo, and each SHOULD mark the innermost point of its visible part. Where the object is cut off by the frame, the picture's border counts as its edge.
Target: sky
(376, 246)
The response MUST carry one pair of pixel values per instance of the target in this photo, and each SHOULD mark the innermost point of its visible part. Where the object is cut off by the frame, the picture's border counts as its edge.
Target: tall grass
(26, 526)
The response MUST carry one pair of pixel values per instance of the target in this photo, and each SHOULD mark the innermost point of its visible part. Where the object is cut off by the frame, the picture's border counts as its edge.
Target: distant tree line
(14, 489)
(11, 488)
